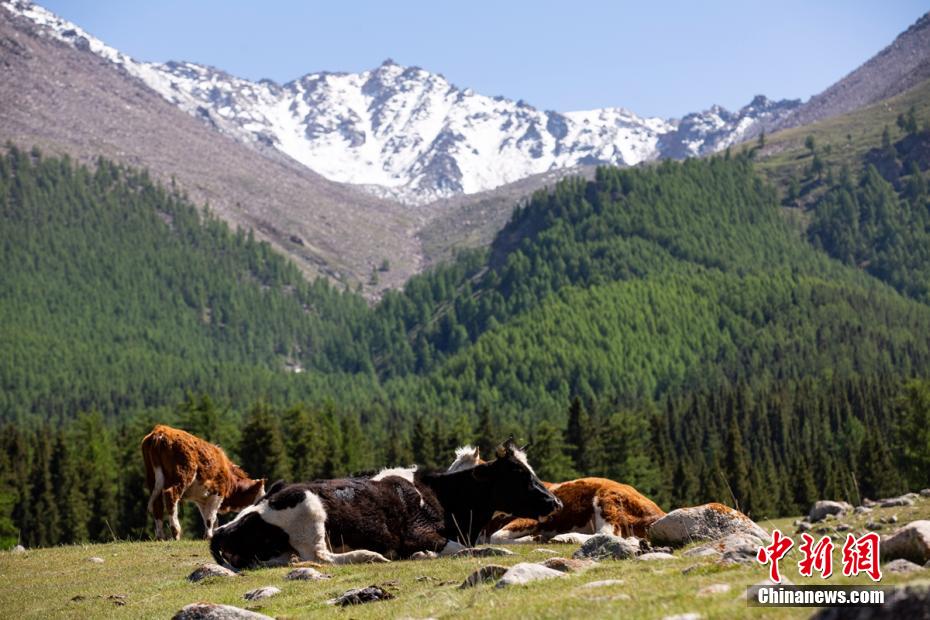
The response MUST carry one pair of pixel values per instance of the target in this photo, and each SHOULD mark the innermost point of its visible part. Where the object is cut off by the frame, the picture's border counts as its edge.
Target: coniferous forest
(664, 326)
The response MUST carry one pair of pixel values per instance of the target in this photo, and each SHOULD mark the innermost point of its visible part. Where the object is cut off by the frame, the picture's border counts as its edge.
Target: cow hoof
(424, 555)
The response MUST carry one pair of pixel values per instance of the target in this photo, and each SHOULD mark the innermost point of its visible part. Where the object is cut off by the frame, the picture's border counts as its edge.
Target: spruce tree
(262, 450)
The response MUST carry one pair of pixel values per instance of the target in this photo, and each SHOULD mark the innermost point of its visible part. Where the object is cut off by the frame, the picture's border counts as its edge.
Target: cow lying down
(398, 514)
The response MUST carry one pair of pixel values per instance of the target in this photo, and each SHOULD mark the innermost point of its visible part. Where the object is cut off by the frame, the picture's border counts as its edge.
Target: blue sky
(655, 58)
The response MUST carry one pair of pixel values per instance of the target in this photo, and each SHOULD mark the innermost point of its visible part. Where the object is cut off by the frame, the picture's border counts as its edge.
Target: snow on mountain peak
(410, 134)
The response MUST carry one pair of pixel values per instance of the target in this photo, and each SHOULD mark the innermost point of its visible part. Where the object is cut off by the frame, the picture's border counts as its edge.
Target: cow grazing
(589, 506)
(399, 513)
(179, 466)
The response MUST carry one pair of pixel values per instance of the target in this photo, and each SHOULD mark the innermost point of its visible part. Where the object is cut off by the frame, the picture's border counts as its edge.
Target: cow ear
(501, 451)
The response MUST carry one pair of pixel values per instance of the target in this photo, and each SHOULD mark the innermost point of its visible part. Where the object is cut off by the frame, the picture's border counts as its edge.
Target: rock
(566, 565)
(689, 616)
(822, 509)
(546, 551)
(911, 542)
(524, 572)
(910, 601)
(357, 596)
(861, 510)
(901, 566)
(803, 526)
(603, 583)
(481, 552)
(491, 572)
(872, 525)
(95, 560)
(607, 547)
(714, 588)
(306, 574)
(739, 548)
(765, 582)
(707, 522)
(209, 611)
(903, 500)
(655, 556)
(209, 570)
(259, 593)
(424, 555)
(925, 492)
(18, 549)
(843, 527)
(868, 503)
(891, 519)
(572, 538)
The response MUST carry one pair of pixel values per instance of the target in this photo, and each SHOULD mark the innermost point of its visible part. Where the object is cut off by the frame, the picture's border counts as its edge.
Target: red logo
(819, 556)
(773, 553)
(861, 556)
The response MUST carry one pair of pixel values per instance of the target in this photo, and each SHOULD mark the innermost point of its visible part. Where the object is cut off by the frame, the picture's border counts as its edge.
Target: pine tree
(66, 480)
(737, 464)
(549, 454)
(262, 450)
(47, 525)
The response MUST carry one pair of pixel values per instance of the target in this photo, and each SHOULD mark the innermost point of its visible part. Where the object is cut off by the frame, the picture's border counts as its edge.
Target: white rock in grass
(689, 616)
(714, 588)
(607, 547)
(525, 572)
(306, 574)
(210, 570)
(901, 566)
(655, 556)
(911, 542)
(210, 611)
(603, 583)
(707, 522)
(95, 560)
(18, 549)
(259, 593)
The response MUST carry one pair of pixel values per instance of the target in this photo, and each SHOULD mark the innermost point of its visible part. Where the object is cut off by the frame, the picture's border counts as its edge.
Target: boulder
(210, 570)
(910, 601)
(822, 509)
(607, 547)
(566, 565)
(911, 542)
(655, 556)
(18, 549)
(714, 588)
(901, 566)
(491, 572)
(890, 502)
(481, 552)
(306, 574)
(739, 548)
(861, 510)
(209, 611)
(357, 596)
(707, 522)
(925, 492)
(523, 573)
(259, 593)
(603, 583)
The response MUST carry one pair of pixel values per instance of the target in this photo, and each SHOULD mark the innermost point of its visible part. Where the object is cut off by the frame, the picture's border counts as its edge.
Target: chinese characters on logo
(860, 555)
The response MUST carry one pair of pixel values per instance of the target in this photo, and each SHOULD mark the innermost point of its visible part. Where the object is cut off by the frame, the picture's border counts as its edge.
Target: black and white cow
(398, 514)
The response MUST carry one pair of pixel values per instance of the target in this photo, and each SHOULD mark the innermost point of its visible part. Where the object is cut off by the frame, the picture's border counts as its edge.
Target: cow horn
(526, 446)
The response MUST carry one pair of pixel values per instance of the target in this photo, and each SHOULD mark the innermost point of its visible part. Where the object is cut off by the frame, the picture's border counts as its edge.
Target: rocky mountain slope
(410, 134)
(65, 99)
(899, 67)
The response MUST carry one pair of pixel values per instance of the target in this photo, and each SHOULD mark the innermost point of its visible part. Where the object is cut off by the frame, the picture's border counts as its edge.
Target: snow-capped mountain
(406, 133)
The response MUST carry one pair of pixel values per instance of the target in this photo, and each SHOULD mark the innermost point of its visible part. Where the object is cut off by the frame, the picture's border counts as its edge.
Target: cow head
(514, 487)
(245, 492)
(466, 457)
(249, 541)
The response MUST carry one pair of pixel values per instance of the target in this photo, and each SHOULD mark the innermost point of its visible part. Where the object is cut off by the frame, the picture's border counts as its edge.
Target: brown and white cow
(589, 506)
(401, 513)
(179, 466)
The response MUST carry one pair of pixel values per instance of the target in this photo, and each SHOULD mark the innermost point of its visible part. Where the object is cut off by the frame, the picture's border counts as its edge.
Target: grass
(62, 582)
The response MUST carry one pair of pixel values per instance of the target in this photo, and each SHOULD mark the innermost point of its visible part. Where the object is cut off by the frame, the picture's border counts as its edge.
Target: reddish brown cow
(179, 466)
(589, 506)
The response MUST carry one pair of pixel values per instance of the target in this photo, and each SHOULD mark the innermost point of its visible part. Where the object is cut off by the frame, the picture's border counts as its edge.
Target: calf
(180, 466)
(589, 506)
(399, 514)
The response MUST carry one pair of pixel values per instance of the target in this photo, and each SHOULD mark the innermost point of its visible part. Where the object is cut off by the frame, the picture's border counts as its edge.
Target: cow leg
(209, 507)
(172, 497)
(505, 535)
(156, 504)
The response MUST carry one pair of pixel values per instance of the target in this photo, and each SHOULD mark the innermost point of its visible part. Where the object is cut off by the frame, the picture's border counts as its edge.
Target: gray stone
(491, 572)
(210, 570)
(707, 522)
(655, 556)
(357, 596)
(209, 611)
(714, 588)
(803, 526)
(607, 547)
(872, 525)
(567, 565)
(739, 548)
(925, 492)
(822, 509)
(890, 502)
(259, 593)
(688, 616)
(861, 510)
(603, 583)
(306, 574)
(911, 601)
(911, 542)
(843, 527)
(95, 560)
(18, 549)
(525, 572)
(481, 552)
(901, 566)
(546, 551)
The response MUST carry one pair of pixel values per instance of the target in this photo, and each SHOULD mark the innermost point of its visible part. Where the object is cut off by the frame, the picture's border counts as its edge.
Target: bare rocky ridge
(67, 100)
(899, 67)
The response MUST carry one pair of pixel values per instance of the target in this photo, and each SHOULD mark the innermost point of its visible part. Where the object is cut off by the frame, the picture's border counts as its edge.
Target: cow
(402, 513)
(589, 506)
(179, 466)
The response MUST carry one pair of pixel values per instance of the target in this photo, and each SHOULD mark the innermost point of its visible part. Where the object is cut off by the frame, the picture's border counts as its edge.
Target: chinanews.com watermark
(859, 556)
